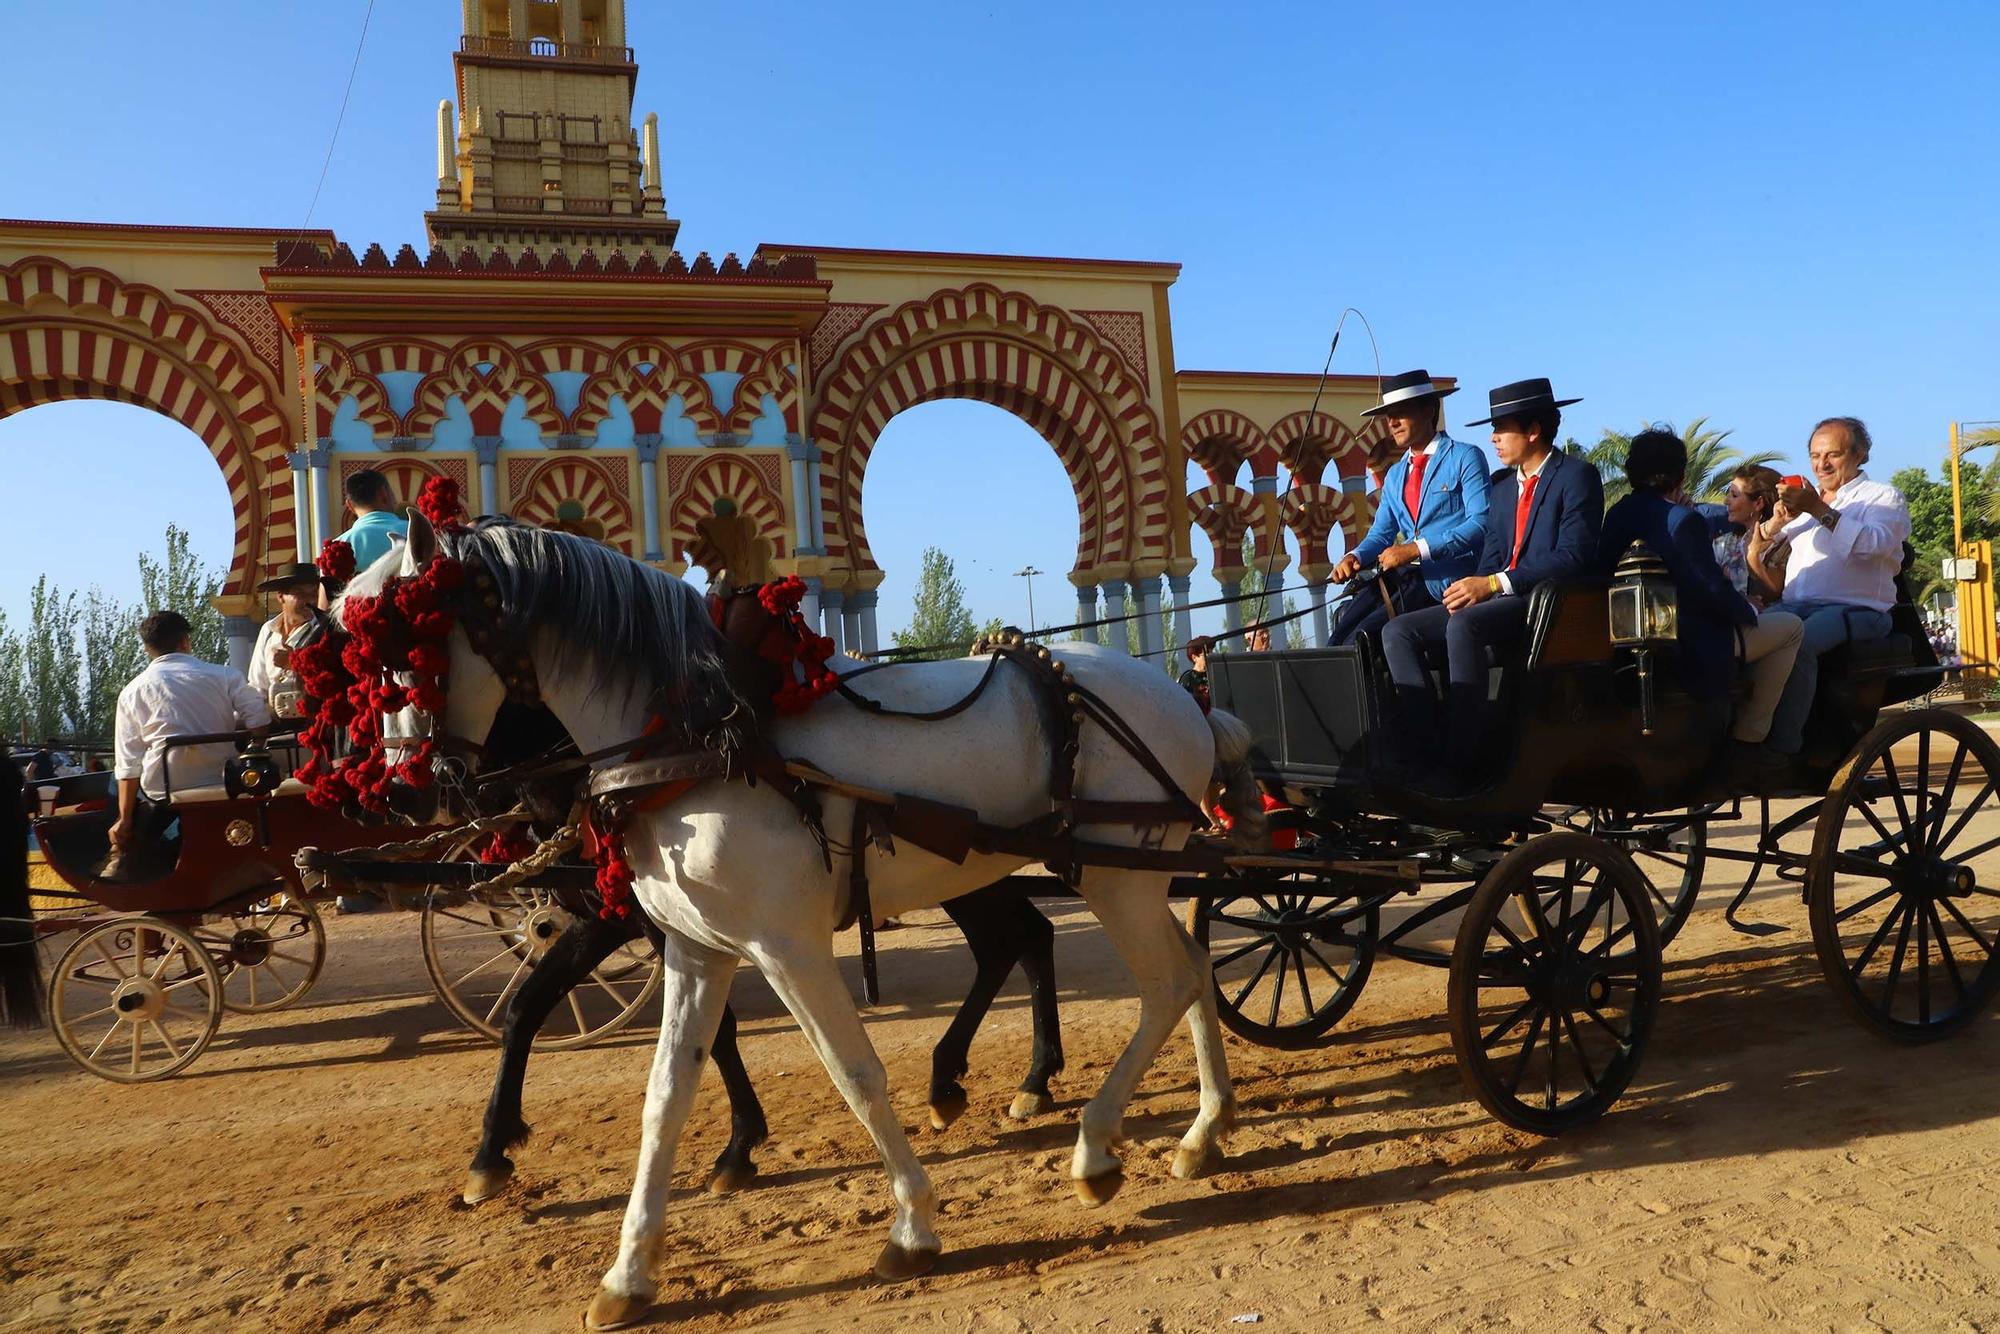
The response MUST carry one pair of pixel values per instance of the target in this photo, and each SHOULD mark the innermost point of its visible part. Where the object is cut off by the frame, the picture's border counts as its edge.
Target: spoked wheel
(1904, 883)
(269, 954)
(480, 948)
(135, 999)
(1555, 980)
(1288, 964)
(1673, 873)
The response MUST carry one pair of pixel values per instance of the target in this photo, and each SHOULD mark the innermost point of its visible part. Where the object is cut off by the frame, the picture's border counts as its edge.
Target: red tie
(1521, 509)
(1413, 484)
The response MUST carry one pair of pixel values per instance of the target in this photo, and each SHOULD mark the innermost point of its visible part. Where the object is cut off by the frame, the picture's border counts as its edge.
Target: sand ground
(1773, 1165)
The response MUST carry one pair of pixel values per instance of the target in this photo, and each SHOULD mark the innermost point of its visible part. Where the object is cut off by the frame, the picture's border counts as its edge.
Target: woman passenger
(1753, 558)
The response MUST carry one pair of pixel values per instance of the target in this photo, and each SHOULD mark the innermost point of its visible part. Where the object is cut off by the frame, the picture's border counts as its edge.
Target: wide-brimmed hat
(299, 572)
(1409, 387)
(1511, 400)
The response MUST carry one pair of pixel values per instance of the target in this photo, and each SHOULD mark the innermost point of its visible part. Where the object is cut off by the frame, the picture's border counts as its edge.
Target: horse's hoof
(898, 1262)
(947, 1109)
(729, 1180)
(1028, 1105)
(483, 1183)
(612, 1310)
(1191, 1163)
(1098, 1190)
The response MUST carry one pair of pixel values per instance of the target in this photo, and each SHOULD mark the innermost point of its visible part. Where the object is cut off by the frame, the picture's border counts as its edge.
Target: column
(488, 449)
(447, 190)
(830, 604)
(1274, 606)
(818, 507)
(1086, 610)
(1146, 600)
(850, 625)
(865, 603)
(1117, 634)
(1178, 585)
(1232, 612)
(809, 604)
(571, 14)
(240, 633)
(802, 497)
(325, 514)
(302, 517)
(1322, 626)
(517, 20)
(648, 447)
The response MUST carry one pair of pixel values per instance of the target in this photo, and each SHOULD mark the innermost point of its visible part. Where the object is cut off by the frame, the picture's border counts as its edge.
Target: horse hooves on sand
(483, 1183)
(1192, 1163)
(611, 1310)
(729, 1180)
(947, 1109)
(897, 1262)
(1097, 1190)
(1028, 1104)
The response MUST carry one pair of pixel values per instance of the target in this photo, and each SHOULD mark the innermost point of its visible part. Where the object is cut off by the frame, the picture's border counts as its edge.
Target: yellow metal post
(1957, 516)
(1975, 613)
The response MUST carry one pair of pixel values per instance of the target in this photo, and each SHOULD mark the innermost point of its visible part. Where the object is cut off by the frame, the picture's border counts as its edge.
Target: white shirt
(180, 695)
(1856, 560)
(265, 674)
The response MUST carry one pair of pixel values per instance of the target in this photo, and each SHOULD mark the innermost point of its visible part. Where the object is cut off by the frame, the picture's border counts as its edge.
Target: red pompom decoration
(336, 560)
(439, 503)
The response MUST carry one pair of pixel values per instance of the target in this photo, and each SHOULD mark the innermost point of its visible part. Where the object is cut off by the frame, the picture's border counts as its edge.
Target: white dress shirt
(180, 695)
(267, 678)
(1856, 560)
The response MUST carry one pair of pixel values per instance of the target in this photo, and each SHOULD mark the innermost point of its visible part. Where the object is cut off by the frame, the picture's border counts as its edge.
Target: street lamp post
(1028, 573)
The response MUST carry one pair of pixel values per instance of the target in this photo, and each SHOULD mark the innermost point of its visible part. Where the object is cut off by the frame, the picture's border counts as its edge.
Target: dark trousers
(1408, 642)
(1364, 613)
(155, 848)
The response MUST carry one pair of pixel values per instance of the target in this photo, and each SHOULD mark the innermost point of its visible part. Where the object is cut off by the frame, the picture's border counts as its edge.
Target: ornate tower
(546, 156)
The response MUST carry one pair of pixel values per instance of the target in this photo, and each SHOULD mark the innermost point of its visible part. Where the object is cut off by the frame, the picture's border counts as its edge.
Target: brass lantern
(1645, 608)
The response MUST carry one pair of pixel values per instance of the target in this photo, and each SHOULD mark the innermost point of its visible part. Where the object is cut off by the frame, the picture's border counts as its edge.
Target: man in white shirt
(1846, 535)
(177, 695)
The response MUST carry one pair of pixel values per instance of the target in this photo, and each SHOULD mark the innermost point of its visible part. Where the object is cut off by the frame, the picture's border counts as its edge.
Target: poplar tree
(939, 616)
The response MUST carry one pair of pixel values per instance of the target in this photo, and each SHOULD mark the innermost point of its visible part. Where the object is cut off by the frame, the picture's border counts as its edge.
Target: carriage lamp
(1645, 615)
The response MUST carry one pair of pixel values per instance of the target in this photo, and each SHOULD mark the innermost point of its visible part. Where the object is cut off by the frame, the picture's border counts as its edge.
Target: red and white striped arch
(645, 374)
(1226, 513)
(485, 393)
(1221, 441)
(1034, 360)
(1308, 441)
(598, 490)
(719, 477)
(1313, 511)
(68, 332)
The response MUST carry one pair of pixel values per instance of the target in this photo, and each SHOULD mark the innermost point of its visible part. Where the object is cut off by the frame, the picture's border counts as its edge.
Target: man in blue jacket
(1714, 619)
(1430, 515)
(1542, 520)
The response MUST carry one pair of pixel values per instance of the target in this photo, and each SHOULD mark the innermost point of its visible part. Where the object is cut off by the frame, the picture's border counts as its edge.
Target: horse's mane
(630, 627)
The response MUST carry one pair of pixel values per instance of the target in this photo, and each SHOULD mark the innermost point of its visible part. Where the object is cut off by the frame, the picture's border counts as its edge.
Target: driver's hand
(1347, 569)
(1398, 556)
(121, 833)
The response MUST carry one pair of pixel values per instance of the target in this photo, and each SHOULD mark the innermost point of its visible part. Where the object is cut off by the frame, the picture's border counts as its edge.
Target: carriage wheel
(135, 999)
(269, 954)
(1673, 873)
(480, 948)
(1555, 979)
(1904, 889)
(1288, 964)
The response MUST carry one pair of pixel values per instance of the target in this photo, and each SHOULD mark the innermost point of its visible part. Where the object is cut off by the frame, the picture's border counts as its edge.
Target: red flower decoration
(336, 560)
(439, 503)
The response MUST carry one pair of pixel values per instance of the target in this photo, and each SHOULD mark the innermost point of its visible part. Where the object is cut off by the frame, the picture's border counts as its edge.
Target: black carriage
(1581, 855)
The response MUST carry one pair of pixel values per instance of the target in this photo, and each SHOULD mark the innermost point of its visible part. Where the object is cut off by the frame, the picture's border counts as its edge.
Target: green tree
(1711, 461)
(52, 669)
(13, 683)
(183, 583)
(939, 616)
(112, 655)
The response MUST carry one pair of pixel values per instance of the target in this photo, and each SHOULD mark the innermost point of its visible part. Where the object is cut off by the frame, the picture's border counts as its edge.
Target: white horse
(731, 873)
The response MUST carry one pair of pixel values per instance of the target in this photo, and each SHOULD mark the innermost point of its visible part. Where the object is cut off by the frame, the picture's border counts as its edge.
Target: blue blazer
(1563, 520)
(1451, 515)
(1710, 606)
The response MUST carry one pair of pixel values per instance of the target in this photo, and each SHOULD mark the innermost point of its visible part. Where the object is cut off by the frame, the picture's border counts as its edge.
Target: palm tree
(1711, 462)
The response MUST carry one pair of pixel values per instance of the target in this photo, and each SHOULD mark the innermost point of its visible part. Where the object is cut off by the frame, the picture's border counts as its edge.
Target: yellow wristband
(1493, 583)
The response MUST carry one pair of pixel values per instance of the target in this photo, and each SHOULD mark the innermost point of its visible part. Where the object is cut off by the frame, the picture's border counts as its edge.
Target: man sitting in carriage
(1430, 519)
(1542, 522)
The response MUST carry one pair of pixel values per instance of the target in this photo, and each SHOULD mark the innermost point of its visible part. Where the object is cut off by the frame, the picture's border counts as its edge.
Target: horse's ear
(422, 541)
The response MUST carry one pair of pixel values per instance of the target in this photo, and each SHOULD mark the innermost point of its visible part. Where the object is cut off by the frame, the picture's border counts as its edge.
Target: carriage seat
(291, 787)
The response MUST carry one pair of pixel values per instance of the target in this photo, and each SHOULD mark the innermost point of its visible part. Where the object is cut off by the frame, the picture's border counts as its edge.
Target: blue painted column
(1117, 634)
(1146, 601)
(805, 495)
(809, 604)
(1274, 606)
(864, 605)
(1322, 624)
(240, 634)
(1086, 610)
(302, 505)
(648, 447)
(488, 449)
(831, 605)
(325, 514)
(1232, 612)
(1183, 618)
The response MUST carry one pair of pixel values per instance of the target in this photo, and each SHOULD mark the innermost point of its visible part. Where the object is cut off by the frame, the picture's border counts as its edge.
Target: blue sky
(1761, 213)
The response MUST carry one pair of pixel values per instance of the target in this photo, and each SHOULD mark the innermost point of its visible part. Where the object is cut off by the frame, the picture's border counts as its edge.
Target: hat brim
(1433, 396)
(1520, 405)
(287, 581)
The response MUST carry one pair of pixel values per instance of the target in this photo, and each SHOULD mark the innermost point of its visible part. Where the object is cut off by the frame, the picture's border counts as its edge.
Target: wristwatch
(1829, 519)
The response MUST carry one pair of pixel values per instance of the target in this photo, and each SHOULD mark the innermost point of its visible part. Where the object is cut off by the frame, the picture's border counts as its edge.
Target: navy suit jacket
(1710, 606)
(1563, 519)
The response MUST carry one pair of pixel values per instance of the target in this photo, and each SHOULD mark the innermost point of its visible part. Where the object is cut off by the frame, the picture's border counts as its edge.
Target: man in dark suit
(1542, 521)
(1714, 620)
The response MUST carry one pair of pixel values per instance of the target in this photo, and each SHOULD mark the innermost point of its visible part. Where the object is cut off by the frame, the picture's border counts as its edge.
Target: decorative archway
(577, 495)
(1006, 349)
(71, 332)
(717, 478)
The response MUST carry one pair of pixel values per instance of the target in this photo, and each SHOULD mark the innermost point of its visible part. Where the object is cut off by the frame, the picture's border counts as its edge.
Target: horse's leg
(989, 927)
(696, 989)
(1133, 908)
(734, 1167)
(1038, 961)
(585, 943)
(809, 982)
(1218, 1093)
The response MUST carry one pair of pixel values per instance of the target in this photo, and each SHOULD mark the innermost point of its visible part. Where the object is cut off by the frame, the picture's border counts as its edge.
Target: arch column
(809, 604)
(1086, 610)
(1322, 625)
(240, 633)
(1180, 587)
(647, 445)
(850, 624)
(1116, 635)
(302, 516)
(807, 519)
(325, 516)
(488, 449)
(1146, 598)
(831, 606)
(1232, 611)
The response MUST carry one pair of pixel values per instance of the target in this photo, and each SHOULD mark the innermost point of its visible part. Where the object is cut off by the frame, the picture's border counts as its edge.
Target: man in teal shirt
(376, 526)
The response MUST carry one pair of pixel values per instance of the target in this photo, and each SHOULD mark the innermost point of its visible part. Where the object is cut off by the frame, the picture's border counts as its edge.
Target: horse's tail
(1242, 800)
(20, 965)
